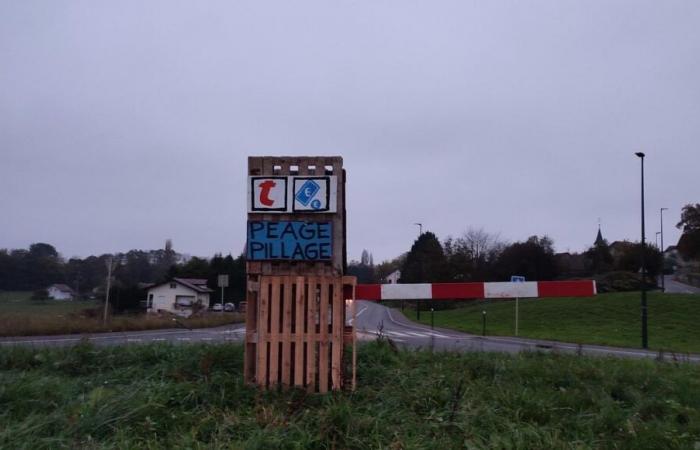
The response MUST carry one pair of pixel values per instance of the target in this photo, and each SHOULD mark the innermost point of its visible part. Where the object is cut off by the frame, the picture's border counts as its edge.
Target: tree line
(41, 265)
(478, 255)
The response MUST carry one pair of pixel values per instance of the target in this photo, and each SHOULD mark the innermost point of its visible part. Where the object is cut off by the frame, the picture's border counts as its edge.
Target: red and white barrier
(444, 291)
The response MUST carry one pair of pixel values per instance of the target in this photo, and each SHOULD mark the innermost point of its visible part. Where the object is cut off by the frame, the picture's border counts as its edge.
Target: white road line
(133, 340)
(183, 339)
(206, 339)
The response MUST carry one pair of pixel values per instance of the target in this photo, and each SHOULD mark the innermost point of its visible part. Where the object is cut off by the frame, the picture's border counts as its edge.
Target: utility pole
(663, 257)
(110, 268)
(645, 335)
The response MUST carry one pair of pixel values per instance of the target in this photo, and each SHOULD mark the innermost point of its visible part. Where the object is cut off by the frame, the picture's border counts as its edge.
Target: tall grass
(27, 324)
(193, 396)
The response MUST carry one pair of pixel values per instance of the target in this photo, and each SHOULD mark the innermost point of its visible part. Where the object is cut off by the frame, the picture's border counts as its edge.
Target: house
(393, 277)
(181, 296)
(60, 292)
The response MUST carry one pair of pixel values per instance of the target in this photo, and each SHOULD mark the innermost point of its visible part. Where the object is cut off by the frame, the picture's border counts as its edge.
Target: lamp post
(645, 337)
(657, 238)
(663, 258)
(420, 228)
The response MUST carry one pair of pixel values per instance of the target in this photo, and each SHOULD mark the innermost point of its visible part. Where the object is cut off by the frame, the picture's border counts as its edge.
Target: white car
(216, 307)
(229, 307)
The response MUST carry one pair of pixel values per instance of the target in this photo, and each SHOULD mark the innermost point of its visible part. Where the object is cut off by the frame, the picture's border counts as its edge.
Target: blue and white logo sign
(307, 192)
(311, 194)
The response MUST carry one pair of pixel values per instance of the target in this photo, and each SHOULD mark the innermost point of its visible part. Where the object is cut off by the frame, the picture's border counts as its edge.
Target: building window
(173, 285)
(149, 303)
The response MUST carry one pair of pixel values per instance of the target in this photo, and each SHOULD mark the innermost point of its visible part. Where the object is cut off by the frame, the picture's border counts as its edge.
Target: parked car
(216, 307)
(230, 307)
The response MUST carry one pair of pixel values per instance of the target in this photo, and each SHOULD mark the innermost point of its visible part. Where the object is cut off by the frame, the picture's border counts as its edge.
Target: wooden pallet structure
(297, 332)
(297, 327)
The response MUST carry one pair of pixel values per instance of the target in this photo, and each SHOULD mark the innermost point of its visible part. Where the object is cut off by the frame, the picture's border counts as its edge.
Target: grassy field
(610, 319)
(193, 396)
(21, 316)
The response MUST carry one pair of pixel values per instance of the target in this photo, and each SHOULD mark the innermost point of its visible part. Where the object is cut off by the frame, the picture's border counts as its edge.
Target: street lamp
(420, 228)
(657, 238)
(645, 337)
(663, 259)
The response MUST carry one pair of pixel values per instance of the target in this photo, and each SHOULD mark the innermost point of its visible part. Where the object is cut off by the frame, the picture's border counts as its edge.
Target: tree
(689, 243)
(631, 257)
(425, 262)
(471, 256)
(533, 259)
(598, 258)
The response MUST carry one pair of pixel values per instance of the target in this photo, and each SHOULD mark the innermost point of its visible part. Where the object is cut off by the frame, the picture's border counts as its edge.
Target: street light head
(640, 154)
(664, 209)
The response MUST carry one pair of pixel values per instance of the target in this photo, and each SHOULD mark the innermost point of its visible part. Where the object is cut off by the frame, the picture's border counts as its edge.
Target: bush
(40, 294)
(621, 281)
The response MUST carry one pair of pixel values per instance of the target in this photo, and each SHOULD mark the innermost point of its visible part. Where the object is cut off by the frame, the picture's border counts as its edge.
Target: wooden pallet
(296, 332)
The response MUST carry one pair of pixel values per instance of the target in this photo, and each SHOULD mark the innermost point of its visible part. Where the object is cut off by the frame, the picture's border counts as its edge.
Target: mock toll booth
(296, 292)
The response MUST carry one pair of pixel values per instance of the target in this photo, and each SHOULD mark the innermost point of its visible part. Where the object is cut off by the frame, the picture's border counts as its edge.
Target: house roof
(62, 288)
(196, 284)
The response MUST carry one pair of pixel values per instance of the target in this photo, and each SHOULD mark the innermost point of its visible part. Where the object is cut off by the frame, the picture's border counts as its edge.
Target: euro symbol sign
(265, 188)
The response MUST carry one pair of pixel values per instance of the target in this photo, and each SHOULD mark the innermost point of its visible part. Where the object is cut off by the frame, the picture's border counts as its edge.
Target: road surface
(373, 319)
(675, 287)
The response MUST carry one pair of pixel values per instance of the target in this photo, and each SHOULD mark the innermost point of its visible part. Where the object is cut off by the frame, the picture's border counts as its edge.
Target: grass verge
(607, 319)
(21, 316)
(193, 396)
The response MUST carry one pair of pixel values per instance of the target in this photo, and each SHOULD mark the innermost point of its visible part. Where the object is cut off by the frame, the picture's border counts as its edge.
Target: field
(21, 316)
(608, 319)
(192, 396)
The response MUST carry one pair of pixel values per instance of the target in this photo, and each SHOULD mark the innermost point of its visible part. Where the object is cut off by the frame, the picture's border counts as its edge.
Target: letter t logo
(265, 188)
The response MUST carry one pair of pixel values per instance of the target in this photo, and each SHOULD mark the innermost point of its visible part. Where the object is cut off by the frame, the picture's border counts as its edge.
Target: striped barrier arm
(456, 291)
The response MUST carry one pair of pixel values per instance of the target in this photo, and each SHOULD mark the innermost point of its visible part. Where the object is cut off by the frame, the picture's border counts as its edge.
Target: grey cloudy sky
(125, 123)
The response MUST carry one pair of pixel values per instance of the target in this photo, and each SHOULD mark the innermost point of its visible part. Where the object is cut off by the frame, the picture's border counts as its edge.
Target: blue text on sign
(289, 240)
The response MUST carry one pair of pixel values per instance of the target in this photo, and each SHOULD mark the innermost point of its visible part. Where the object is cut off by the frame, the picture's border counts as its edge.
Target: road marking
(159, 339)
(183, 339)
(133, 340)
(206, 339)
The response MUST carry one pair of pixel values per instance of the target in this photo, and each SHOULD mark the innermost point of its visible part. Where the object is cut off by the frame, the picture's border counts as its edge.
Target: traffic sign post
(222, 281)
(517, 279)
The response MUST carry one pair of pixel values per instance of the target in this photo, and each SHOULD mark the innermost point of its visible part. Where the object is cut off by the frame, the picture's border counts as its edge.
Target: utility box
(296, 259)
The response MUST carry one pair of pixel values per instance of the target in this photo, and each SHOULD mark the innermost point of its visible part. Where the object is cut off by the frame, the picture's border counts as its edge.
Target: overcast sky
(126, 123)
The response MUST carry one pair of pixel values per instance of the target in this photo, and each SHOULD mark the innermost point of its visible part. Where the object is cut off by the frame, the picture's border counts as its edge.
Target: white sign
(268, 194)
(223, 281)
(294, 194)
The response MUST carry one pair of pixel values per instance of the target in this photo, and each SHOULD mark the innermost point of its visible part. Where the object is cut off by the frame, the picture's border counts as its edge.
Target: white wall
(164, 298)
(58, 294)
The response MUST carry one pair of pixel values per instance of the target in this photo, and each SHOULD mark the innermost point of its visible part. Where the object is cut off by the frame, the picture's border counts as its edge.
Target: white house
(393, 277)
(60, 292)
(179, 296)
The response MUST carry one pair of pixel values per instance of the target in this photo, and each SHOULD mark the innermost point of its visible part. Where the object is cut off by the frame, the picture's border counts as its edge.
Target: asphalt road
(372, 320)
(180, 335)
(674, 287)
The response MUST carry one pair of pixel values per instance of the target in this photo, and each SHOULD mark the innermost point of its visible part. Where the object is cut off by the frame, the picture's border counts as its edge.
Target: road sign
(517, 279)
(311, 194)
(223, 281)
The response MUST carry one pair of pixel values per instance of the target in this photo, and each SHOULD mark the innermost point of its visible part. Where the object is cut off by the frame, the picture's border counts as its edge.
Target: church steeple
(599, 239)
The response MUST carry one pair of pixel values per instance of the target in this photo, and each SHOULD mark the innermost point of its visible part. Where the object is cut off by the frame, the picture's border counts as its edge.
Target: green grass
(193, 396)
(608, 319)
(22, 316)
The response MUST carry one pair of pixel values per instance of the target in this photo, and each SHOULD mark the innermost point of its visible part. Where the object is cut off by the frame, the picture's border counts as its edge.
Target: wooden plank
(263, 312)
(274, 330)
(287, 333)
(299, 333)
(310, 335)
(338, 324)
(323, 338)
